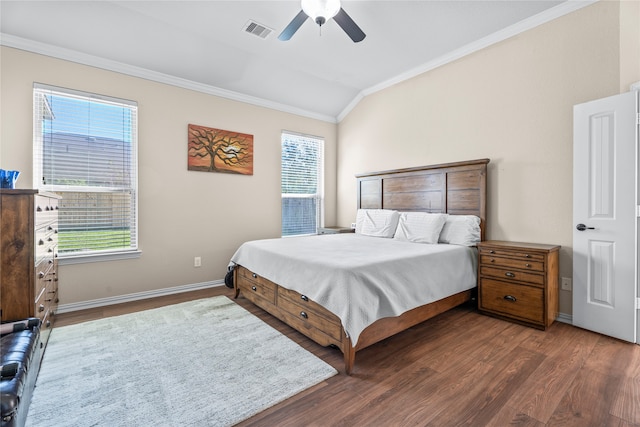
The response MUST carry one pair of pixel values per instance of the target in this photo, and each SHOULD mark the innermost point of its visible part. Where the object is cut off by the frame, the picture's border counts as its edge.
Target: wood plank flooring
(459, 368)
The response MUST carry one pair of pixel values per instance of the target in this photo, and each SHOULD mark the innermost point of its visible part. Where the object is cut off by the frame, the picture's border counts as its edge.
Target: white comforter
(359, 278)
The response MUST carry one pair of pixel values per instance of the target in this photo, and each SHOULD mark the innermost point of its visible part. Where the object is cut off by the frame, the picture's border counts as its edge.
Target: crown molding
(143, 73)
(510, 31)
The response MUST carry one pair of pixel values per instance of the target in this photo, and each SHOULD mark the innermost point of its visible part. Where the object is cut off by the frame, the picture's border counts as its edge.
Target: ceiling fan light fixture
(321, 10)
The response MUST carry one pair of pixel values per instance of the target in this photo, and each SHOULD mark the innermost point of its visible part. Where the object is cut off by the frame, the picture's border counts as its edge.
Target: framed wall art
(218, 150)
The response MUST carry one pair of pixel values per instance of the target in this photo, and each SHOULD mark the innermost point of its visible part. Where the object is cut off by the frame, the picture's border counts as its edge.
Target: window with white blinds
(302, 190)
(85, 150)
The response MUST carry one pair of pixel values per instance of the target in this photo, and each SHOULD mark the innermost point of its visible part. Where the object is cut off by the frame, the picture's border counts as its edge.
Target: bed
(354, 290)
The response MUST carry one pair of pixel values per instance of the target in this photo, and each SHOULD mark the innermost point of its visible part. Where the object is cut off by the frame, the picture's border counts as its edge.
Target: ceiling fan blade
(293, 26)
(349, 27)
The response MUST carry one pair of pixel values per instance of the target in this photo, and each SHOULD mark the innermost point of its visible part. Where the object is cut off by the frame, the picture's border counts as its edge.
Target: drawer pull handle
(304, 298)
(493, 260)
(304, 315)
(40, 242)
(253, 288)
(41, 308)
(527, 256)
(509, 274)
(510, 298)
(492, 251)
(41, 275)
(254, 275)
(527, 265)
(38, 209)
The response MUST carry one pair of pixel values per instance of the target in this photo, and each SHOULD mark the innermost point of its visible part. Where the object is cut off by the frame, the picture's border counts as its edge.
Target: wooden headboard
(458, 188)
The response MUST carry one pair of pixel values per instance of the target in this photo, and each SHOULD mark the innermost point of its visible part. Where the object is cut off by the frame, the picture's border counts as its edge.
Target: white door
(605, 216)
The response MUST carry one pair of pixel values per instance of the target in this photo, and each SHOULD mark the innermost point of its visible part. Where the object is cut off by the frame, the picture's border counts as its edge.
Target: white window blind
(302, 190)
(85, 149)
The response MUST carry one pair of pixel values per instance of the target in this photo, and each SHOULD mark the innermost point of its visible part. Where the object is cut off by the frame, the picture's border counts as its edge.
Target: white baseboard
(565, 318)
(101, 302)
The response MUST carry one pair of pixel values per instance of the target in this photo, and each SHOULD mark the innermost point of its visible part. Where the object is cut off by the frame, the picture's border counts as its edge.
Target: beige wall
(512, 103)
(182, 214)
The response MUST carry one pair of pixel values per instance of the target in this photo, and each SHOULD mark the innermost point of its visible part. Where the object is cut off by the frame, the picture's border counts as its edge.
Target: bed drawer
(521, 301)
(253, 286)
(512, 274)
(308, 313)
(307, 304)
(309, 322)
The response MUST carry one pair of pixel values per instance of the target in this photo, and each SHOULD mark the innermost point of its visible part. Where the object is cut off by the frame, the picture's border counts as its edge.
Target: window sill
(83, 259)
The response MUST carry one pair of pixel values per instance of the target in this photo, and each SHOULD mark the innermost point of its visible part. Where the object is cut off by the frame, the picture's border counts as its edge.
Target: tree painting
(217, 150)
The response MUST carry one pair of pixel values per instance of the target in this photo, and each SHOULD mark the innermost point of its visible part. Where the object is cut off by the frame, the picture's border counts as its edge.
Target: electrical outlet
(197, 261)
(565, 285)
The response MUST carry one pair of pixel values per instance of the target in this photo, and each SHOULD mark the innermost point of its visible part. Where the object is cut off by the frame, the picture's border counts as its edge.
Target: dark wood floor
(460, 368)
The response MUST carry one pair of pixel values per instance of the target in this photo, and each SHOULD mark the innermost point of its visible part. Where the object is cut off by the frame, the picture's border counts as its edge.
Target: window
(302, 192)
(85, 150)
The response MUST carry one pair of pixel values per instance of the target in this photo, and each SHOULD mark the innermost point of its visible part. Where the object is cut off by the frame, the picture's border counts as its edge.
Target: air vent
(256, 29)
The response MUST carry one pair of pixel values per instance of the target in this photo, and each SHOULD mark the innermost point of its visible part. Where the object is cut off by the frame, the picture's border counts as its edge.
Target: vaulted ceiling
(319, 73)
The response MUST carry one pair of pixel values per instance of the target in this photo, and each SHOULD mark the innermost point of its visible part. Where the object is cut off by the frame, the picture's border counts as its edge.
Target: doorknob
(582, 227)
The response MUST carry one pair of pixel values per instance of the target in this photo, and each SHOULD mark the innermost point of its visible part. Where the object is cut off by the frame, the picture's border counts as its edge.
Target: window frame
(41, 105)
(319, 195)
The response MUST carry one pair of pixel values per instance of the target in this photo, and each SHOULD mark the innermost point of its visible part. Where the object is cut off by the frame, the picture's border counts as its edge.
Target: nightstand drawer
(523, 264)
(524, 302)
(335, 230)
(515, 253)
(512, 274)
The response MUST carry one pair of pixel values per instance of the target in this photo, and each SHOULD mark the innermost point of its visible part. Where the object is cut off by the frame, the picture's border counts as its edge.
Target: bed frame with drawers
(455, 188)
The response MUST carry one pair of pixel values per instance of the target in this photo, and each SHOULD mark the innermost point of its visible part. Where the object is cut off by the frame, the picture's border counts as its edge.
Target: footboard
(296, 310)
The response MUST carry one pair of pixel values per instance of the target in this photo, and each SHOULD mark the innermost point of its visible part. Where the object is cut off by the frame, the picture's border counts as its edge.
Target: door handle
(582, 227)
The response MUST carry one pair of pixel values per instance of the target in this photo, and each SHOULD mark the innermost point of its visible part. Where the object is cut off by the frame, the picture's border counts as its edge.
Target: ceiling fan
(321, 11)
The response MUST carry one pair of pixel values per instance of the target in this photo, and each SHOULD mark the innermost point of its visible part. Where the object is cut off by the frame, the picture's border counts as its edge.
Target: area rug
(207, 362)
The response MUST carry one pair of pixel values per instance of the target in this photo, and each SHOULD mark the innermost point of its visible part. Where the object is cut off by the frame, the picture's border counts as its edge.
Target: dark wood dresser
(29, 256)
(518, 282)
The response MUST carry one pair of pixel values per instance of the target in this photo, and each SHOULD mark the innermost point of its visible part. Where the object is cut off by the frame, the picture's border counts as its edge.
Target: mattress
(361, 278)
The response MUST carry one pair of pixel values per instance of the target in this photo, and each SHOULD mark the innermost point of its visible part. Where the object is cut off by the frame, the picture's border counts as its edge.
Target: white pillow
(420, 227)
(377, 222)
(461, 230)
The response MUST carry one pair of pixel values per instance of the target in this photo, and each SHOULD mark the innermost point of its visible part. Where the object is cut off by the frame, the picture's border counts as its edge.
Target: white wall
(182, 213)
(512, 103)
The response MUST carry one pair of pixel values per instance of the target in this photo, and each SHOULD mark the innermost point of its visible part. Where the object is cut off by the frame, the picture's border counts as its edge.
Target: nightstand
(335, 230)
(518, 282)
